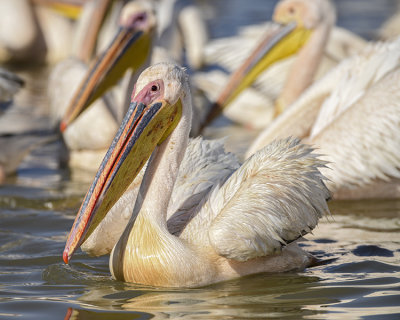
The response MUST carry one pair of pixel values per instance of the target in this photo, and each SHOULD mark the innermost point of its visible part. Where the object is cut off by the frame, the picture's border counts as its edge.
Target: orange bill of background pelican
(130, 48)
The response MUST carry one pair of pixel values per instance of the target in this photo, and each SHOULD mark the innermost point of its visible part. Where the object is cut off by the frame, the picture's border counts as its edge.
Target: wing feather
(363, 143)
(357, 75)
(205, 164)
(275, 197)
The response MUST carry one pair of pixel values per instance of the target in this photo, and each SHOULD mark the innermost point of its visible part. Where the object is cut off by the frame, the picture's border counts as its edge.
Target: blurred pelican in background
(66, 76)
(21, 131)
(275, 74)
(182, 32)
(353, 116)
(37, 31)
(73, 87)
(10, 84)
(108, 71)
(245, 223)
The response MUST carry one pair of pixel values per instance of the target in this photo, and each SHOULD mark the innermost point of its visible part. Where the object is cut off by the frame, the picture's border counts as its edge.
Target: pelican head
(130, 49)
(307, 14)
(298, 20)
(155, 110)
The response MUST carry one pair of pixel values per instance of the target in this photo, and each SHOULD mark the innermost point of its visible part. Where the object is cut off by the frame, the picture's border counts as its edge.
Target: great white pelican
(34, 30)
(244, 225)
(362, 147)
(353, 116)
(306, 26)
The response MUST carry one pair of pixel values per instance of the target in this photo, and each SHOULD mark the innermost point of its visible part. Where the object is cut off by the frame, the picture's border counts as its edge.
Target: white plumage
(31, 33)
(354, 119)
(199, 218)
(275, 197)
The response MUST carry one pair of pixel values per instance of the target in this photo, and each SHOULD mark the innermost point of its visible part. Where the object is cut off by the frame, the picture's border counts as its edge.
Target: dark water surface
(361, 241)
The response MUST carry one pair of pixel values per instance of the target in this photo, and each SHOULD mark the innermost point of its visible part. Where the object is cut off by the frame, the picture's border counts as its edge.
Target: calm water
(361, 241)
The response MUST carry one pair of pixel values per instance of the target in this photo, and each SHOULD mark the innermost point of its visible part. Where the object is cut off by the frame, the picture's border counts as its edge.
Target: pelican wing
(357, 75)
(205, 164)
(363, 143)
(333, 94)
(275, 197)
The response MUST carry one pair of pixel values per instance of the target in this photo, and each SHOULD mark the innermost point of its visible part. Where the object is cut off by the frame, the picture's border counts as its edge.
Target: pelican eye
(154, 87)
(141, 17)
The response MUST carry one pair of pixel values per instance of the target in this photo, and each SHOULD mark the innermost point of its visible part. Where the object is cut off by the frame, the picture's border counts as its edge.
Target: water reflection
(362, 281)
(249, 297)
(81, 314)
(342, 286)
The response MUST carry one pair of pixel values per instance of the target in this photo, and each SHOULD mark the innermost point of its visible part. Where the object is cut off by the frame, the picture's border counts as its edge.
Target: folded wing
(276, 196)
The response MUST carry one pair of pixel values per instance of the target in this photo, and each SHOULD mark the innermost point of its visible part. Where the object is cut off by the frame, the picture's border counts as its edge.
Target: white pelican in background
(306, 21)
(242, 226)
(19, 128)
(32, 31)
(16, 41)
(10, 83)
(66, 76)
(351, 86)
(105, 75)
(181, 32)
(353, 116)
(88, 131)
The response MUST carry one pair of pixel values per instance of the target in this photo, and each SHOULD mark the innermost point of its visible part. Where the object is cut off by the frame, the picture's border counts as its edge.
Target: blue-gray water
(37, 207)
